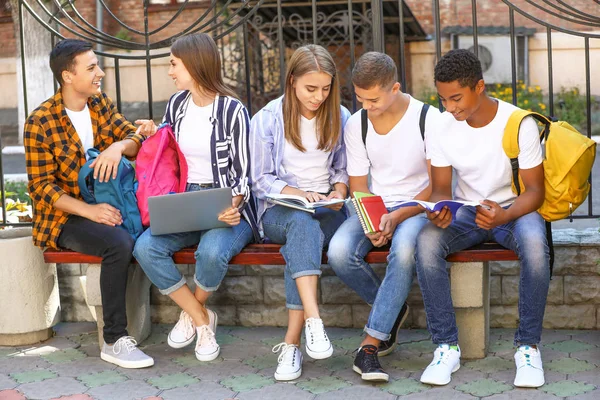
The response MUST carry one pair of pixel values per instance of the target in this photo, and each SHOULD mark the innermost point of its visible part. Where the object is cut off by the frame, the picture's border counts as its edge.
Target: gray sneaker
(125, 354)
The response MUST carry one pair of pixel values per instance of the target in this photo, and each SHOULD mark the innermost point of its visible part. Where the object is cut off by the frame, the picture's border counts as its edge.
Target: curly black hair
(459, 65)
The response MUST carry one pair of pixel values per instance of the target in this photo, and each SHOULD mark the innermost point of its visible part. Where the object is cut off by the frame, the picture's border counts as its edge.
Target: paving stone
(82, 397)
(172, 381)
(20, 364)
(74, 329)
(217, 371)
(50, 346)
(6, 382)
(311, 369)
(422, 346)
(202, 390)
(593, 395)
(403, 387)
(358, 393)
(570, 346)
(124, 390)
(484, 387)
(592, 355)
(323, 385)
(89, 365)
(439, 393)
(348, 343)
(523, 394)
(569, 366)
(250, 315)
(33, 376)
(101, 378)
(11, 395)
(567, 388)
(64, 356)
(281, 390)
(243, 383)
(490, 365)
(337, 363)
(412, 364)
(262, 362)
(50, 388)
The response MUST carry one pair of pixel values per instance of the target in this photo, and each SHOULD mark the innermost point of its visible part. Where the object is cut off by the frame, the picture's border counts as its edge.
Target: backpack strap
(364, 123)
(422, 117)
(84, 172)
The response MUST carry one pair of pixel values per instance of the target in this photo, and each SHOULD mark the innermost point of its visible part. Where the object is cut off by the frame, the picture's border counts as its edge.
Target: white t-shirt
(482, 168)
(395, 160)
(194, 140)
(309, 167)
(82, 122)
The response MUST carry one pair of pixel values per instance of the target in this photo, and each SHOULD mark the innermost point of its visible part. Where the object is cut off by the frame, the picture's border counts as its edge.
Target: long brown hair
(201, 58)
(306, 59)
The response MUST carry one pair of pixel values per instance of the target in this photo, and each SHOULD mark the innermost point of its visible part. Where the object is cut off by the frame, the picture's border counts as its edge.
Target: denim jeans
(526, 236)
(215, 248)
(303, 236)
(346, 254)
(114, 245)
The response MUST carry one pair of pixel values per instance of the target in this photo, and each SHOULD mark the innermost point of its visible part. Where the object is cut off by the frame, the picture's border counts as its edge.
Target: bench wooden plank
(268, 254)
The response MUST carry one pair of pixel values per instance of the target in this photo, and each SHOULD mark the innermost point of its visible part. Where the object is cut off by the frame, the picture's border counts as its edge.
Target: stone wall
(254, 295)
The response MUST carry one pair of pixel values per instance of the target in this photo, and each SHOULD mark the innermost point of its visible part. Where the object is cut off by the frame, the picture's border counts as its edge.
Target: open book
(453, 205)
(299, 202)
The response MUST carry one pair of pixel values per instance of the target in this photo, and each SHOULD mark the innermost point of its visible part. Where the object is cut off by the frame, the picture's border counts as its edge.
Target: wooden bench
(469, 276)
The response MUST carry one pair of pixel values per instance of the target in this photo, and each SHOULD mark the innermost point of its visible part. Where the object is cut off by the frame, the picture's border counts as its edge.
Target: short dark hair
(62, 56)
(459, 65)
(373, 69)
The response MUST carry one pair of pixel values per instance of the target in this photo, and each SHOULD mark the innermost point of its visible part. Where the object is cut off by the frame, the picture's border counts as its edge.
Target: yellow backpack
(568, 161)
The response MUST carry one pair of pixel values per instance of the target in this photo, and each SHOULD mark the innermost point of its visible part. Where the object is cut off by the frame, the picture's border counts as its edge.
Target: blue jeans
(303, 236)
(346, 254)
(526, 236)
(215, 248)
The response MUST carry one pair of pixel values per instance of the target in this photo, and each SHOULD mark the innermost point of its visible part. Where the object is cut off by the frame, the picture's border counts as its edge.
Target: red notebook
(375, 209)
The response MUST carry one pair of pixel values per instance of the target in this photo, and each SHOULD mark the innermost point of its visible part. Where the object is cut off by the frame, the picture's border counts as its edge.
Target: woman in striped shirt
(211, 127)
(297, 148)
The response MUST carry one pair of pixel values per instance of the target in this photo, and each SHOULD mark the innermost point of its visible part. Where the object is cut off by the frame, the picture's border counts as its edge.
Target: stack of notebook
(370, 209)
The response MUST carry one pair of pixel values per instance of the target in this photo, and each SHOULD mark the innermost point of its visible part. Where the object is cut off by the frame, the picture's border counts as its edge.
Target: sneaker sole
(442, 383)
(321, 355)
(181, 345)
(288, 377)
(127, 364)
(530, 385)
(371, 376)
(383, 353)
(208, 357)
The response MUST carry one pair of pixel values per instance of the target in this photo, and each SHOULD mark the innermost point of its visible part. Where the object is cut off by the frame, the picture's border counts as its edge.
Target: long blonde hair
(306, 59)
(201, 58)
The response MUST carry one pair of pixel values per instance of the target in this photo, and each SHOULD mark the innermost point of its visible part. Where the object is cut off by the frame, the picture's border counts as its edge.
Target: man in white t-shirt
(469, 140)
(393, 153)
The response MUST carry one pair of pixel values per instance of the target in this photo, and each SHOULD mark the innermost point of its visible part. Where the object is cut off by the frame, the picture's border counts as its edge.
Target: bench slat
(268, 254)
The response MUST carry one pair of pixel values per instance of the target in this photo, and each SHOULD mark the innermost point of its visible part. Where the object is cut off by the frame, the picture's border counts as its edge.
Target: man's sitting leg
(114, 245)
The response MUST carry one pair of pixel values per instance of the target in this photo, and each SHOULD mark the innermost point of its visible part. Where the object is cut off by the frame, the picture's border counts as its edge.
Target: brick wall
(255, 295)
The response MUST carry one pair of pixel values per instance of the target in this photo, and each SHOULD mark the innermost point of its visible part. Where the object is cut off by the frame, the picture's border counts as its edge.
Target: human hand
(107, 162)
(314, 196)
(231, 216)
(490, 215)
(335, 195)
(442, 218)
(377, 239)
(103, 213)
(146, 127)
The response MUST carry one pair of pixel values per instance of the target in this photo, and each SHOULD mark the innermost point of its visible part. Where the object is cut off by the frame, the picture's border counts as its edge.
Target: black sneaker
(366, 363)
(386, 347)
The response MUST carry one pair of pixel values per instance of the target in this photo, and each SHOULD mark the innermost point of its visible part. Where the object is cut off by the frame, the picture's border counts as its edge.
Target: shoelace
(285, 348)
(525, 355)
(207, 337)
(441, 356)
(127, 342)
(316, 330)
(185, 324)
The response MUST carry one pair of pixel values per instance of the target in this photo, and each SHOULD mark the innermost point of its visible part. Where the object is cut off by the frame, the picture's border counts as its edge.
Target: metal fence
(255, 38)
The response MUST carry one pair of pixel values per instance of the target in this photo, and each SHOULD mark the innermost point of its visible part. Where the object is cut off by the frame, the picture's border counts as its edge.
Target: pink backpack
(160, 168)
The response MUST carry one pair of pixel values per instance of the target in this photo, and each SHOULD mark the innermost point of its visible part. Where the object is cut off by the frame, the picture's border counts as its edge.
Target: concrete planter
(29, 302)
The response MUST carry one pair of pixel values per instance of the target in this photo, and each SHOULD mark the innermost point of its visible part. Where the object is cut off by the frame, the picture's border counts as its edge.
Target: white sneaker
(289, 362)
(184, 332)
(125, 354)
(530, 372)
(318, 345)
(207, 348)
(445, 362)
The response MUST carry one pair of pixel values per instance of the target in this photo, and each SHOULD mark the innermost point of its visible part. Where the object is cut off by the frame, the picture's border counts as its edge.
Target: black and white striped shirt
(230, 151)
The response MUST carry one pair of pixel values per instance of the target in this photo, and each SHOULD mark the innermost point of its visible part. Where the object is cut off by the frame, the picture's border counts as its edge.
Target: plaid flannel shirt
(54, 154)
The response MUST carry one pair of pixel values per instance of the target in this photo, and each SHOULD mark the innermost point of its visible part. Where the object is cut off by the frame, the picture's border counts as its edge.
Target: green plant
(17, 191)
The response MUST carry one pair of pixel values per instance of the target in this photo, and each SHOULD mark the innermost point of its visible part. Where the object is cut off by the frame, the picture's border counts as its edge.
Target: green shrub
(17, 191)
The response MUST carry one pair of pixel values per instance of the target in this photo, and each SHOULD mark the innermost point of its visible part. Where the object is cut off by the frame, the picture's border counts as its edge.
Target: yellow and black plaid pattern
(54, 155)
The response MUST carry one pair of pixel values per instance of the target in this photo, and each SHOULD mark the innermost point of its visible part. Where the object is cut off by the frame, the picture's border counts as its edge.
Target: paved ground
(69, 366)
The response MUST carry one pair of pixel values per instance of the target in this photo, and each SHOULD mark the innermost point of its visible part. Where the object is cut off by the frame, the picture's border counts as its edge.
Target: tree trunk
(38, 43)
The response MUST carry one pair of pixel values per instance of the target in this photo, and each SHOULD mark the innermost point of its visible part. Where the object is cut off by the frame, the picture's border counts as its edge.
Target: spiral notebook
(369, 209)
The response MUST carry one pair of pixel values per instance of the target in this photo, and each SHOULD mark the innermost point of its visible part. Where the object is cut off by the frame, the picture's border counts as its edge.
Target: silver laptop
(189, 211)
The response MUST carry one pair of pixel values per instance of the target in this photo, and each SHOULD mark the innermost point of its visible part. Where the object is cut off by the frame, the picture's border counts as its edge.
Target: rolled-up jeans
(346, 256)
(215, 248)
(526, 236)
(303, 236)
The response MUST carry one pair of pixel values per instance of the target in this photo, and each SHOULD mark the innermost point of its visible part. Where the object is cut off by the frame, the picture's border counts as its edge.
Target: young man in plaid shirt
(57, 136)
